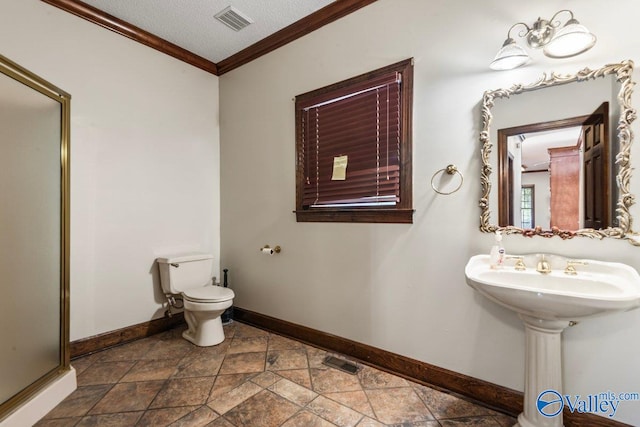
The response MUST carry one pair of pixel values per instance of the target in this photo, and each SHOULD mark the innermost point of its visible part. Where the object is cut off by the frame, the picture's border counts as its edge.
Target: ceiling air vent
(233, 18)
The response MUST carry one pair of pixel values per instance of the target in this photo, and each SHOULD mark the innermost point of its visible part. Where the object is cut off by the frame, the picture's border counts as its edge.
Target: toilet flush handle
(175, 264)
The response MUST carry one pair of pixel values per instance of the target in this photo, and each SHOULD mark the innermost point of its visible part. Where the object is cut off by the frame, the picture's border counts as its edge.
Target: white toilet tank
(182, 272)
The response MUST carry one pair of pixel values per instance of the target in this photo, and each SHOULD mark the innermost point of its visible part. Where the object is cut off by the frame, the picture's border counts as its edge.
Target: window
(527, 206)
(353, 149)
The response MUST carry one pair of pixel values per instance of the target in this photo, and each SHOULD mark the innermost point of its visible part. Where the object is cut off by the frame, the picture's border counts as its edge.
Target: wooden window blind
(360, 123)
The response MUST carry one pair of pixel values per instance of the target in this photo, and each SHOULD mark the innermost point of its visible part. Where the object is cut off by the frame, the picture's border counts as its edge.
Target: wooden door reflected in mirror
(589, 184)
(567, 162)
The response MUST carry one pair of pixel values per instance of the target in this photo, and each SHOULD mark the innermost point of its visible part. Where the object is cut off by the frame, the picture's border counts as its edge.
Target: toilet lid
(209, 294)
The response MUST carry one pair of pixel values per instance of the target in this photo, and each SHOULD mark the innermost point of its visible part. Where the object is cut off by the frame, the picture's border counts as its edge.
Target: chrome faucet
(543, 266)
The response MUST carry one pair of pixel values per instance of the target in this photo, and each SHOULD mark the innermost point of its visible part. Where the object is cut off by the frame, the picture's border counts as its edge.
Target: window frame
(532, 190)
(402, 212)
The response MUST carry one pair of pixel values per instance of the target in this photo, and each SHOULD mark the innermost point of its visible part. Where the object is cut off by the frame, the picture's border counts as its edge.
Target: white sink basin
(547, 303)
(598, 287)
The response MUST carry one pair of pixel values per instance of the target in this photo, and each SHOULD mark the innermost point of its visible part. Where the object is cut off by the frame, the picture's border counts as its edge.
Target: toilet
(190, 277)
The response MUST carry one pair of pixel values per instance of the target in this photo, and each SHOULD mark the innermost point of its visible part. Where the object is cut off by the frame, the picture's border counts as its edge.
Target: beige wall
(401, 287)
(144, 158)
(147, 180)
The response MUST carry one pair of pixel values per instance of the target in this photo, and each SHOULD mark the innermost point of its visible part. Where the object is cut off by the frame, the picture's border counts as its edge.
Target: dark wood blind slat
(363, 127)
(306, 101)
(360, 105)
(359, 186)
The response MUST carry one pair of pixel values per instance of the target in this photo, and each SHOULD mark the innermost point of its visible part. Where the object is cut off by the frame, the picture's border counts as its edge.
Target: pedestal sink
(547, 304)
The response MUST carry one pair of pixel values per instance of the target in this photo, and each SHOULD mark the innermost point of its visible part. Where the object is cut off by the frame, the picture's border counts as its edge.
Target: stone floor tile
(79, 402)
(331, 380)
(398, 405)
(58, 422)
(265, 409)
(243, 330)
(104, 373)
(432, 423)
(356, 400)
(334, 412)
(164, 416)
(308, 419)
(150, 370)
(225, 383)
(130, 351)
(165, 380)
(278, 342)
(220, 422)
(505, 420)
(126, 397)
(293, 392)
(316, 357)
(243, 363)
(224, 402)
(298, 376)
(82, 363)
(266, 379)
(444, 405)
(200, 417)
(212, 350)
(369, 422)
(196, 364)
(248, 345)
(373, 378)
(470, 422)
(278, 360)
(125, 419)
(169, 349)
(183, 392)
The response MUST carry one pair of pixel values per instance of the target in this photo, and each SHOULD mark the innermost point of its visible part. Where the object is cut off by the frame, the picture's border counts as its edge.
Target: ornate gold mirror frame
(35, 84)
(623, 72)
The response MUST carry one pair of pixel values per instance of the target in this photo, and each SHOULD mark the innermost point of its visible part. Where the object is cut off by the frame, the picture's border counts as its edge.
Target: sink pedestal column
(543, 371)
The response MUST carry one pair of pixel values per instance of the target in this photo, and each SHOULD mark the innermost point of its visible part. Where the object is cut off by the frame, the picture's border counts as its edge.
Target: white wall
(401, 287)
(144, 158)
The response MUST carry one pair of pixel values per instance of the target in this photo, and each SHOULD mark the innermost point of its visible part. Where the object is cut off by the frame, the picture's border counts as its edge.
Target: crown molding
(300, 28)
(132, 32)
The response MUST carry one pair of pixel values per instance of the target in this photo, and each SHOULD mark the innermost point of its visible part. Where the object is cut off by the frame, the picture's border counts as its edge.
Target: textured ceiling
(191, 25)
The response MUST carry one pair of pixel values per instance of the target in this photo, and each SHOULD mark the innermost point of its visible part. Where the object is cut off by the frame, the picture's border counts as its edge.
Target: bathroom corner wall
(401, 287)
(144, 159)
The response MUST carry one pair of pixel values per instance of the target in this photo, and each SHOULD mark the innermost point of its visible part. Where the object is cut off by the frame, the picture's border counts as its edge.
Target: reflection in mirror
(559, 169)
(563, 155)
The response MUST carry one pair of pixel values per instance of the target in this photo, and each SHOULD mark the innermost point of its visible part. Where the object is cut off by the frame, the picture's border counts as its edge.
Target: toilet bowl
(190, 277)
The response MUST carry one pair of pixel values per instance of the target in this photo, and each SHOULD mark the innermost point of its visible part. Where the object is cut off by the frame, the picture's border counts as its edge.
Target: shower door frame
(14, 71)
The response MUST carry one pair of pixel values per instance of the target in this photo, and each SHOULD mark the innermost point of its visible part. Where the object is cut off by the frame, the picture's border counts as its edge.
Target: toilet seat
(208, 294)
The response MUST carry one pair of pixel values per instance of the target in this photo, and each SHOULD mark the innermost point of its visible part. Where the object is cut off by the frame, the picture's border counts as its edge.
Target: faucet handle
(571, 269)
(519, 266)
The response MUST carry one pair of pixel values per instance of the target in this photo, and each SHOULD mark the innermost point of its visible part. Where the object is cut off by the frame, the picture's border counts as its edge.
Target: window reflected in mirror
(562, 155)
(568, 159)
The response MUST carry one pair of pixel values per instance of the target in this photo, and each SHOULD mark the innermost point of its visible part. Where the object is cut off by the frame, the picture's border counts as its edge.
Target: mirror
(34, 225)
(563, 155)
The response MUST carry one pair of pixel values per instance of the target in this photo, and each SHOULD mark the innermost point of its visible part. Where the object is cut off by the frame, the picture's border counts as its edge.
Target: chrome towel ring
(450, 170)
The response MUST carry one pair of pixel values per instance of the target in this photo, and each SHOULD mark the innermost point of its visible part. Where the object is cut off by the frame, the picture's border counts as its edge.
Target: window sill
(364, 215)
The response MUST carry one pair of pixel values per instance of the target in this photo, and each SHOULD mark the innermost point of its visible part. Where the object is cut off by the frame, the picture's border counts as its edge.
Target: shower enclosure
(34, 235)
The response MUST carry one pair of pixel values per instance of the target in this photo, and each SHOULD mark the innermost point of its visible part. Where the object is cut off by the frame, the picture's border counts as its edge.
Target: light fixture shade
(570, 40)
(510, 56)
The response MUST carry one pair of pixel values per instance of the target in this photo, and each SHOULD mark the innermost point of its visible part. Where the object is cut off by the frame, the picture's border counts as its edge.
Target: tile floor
(254, 378)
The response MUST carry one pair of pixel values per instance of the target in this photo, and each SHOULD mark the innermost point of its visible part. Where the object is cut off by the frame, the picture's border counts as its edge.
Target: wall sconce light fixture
(555, 41)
